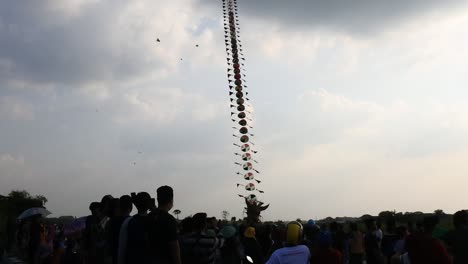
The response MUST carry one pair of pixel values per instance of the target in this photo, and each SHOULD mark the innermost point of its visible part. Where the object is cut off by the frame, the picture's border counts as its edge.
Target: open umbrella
(34, 211)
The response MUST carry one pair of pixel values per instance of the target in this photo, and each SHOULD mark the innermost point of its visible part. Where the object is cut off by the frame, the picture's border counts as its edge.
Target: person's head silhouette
(165, 198)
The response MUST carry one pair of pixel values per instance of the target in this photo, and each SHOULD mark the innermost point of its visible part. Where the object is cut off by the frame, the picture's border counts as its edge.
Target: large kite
(240, 114)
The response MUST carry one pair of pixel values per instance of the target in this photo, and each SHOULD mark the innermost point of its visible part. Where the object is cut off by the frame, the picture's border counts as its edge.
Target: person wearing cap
(199, 247)
(293, 252)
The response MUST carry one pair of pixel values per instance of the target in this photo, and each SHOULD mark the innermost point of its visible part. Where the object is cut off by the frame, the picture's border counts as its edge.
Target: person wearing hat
(293, 252)
(199, 247)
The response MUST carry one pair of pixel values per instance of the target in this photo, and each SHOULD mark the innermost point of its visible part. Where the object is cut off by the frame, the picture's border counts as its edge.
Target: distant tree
(225, 215)
(366, 216)
(11, 206)
(387, 216)
(439, 212)
(233, 219)
(177, 213)
(20, 200)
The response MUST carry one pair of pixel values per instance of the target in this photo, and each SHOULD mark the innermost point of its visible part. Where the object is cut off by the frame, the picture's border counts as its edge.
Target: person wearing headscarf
(251, 246)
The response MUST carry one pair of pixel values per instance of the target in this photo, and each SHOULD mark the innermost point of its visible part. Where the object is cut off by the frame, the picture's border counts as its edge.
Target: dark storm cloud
(357, 16)
(41, 43)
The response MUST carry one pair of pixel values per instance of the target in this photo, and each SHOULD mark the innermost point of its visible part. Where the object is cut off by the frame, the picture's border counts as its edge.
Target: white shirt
(291, 255)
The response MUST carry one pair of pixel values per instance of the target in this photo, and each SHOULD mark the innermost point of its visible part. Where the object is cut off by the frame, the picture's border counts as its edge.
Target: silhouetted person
(125, 208)
(199, 247)
(264, 239)
(356, 245)
(372, 244)
(164, 229)
(326, 254)
(232, 251)
(91, 224)
(187, 226)
(389, 240)
(338, 238)
(311, 232)
(423, 248)
(251, 246)
(457, 239)
(278, 235)
(138, 236)
(34, 239)
(400, 247)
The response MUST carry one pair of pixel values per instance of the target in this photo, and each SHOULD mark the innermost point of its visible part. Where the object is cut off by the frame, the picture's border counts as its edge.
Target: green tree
(20, 200)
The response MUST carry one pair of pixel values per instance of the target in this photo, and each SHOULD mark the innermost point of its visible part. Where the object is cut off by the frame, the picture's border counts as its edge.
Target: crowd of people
(112, 235)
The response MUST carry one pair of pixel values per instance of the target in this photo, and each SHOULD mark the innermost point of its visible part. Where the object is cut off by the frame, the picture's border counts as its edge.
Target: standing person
(99, 233)
(138, 248)
(35, 232)
(423, 248)
(356, 245)
(199, 247)
(372, 244)
(232, 251)
(402, 233)
(326, 254)
(264, 239)
(125, 208)
(457, 239)
(338, 236)
(164, 238)
(311, 232)
(293, 252)
(389, 240)
(251, 246)
(91, 221)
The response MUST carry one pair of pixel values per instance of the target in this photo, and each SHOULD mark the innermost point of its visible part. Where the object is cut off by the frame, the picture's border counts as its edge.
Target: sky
(358, 107)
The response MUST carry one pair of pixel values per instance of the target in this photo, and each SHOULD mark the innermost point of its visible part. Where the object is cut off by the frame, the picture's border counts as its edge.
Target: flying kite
(241, 110)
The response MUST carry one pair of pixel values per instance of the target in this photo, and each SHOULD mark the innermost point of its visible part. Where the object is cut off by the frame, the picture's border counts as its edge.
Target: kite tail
(241, 111)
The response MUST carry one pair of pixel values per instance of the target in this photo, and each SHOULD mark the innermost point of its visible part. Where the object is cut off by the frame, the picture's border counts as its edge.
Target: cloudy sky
(359, 107)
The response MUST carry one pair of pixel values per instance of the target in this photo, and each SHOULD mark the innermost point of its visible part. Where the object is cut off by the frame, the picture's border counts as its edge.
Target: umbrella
(34, 211)
(76, 226)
